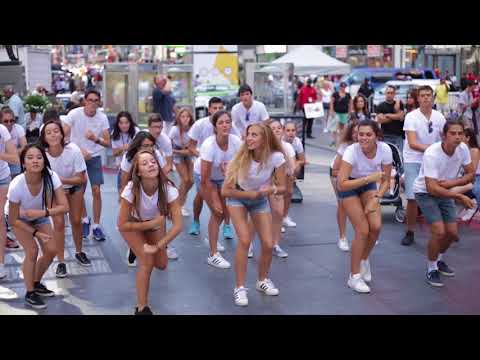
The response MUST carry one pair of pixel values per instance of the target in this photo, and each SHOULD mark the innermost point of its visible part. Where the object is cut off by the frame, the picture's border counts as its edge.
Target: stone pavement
(312, 280)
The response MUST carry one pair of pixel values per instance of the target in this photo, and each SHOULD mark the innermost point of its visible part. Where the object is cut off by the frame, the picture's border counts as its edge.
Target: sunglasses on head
(247, 117)
(430, 127)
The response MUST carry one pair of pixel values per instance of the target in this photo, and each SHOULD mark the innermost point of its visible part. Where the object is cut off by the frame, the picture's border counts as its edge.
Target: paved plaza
(312, 280)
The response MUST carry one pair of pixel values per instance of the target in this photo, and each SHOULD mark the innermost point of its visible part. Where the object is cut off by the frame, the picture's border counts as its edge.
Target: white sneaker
(218, 261)
(279, 252)
(172, 253)
(220, 247)
(240, 296)
(267, 287)
(282, 230)
(365, 270)
(7, 294)
(468, 213)
(288, 222)
(185, 212)
(356, 283)
(250, 251)
(343, 244)
(3, 271)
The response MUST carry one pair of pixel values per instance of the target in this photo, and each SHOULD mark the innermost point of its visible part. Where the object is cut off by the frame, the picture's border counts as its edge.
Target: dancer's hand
(373, 205)
(150, 249)
(467, 202)
(43, 237)
(375, 177)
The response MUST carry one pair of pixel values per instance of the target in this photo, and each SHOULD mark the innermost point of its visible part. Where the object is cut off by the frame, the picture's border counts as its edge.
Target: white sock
(95, 226)
(432, 265)
(85, 220)
(355, 276)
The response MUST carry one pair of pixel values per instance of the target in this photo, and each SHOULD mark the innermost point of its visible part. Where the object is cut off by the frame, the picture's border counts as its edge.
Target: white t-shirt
(363, 166)
(148, 207)
(203, 129)
(4, 138)
(177, 140)
(255, 178)
(256, 113)
(19, 193)
(124, 139)
(340, 151)
(297, 145)
(126, 165)
(69, 163)
(438, 165)
(211, 152)
(164, 144)
(80, 123)
(416, 121)
(290, 152)
(17, 133)
(326, 95)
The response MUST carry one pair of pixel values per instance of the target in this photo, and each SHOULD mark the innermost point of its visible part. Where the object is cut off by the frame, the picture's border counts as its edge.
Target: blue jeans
(411, 173)
(94, 170)
(436, 209)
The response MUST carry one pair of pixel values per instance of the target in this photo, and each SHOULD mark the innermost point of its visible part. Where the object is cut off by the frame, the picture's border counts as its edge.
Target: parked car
(379, 76)
(203, 93)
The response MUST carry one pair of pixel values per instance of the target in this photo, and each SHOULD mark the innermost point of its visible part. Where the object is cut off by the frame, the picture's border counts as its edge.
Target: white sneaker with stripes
(267, 287)
(240, 296)
(218, 261)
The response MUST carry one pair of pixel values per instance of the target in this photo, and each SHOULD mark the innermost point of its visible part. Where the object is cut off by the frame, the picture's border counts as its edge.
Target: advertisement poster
(216, 68)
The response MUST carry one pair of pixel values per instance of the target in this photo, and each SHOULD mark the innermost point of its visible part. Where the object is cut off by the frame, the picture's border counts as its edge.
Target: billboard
(215, 68)
(215, 48)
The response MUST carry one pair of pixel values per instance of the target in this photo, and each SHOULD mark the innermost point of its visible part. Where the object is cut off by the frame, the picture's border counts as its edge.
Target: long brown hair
(239, 166)
(163, 181)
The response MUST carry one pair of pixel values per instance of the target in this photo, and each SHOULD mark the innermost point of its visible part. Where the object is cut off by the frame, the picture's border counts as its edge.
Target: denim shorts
(253, 206)
(94, 170)
(197, 180)
(411, 172)
(6, 181)
(15, 169)
(36, 222)
(476, 188)
(358, 191)
(436, 209)
(73, 189)
(177, 159)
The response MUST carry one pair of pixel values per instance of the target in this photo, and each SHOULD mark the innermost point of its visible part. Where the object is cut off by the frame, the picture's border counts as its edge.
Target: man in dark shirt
(163, 102)
(366, 89)
(390, 115)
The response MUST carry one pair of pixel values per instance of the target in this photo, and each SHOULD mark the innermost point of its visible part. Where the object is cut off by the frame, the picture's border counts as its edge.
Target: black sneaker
(61, 270)
(131, 258)
(42, 290)
(433, 278)
(82, 259)
(444, 269)
(34, 300)
(145, 311)
(408, 239)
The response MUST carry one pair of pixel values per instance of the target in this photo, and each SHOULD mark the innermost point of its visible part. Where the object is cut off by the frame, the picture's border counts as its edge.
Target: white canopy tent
(308, 60)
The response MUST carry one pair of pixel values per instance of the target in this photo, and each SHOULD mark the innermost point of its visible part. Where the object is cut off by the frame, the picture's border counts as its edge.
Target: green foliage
(36, 103)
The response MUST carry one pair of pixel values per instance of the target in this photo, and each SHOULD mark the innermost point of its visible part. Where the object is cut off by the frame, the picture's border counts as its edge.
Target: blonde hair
(238, 168)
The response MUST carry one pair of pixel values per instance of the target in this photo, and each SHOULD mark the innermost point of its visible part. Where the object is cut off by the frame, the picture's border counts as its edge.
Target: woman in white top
(181, 155)
(249, 181)
(8, 155)
(142, 141)
(18, 136)
(349, 137)
(33, 197)
(68, 163)
(209, 174)
(363, 165)
(147, 200)
(123, 133)
(277, 202)
(291, 137)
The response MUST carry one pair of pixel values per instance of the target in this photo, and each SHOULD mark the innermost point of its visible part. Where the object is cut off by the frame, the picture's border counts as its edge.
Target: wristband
(33, 234)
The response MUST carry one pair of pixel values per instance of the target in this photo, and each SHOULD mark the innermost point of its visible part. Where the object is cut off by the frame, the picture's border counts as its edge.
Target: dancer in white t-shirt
(248, 111)
(68, 163)
(33, 197)
(142, 141)
(123, 133)
(209, 174)
(349, 136)
(162, 141)
(181, 154)
(146, 203)
(277, 202)
(433, 189)
(290, 130)
(363, 165)
(8, 155)
(200, 131)
(249, 182)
